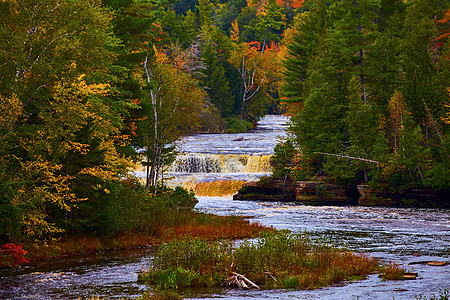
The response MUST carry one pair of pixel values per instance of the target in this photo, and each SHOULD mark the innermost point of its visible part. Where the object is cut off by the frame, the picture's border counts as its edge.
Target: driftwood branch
(241, 281)
(349, 157)
(270, 275)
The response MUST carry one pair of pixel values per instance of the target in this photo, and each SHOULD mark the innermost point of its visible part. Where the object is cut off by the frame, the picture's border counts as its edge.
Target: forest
(89, 88)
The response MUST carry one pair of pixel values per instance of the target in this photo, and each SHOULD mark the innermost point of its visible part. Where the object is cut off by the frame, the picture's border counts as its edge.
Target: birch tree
(172, 105)
(259, 69)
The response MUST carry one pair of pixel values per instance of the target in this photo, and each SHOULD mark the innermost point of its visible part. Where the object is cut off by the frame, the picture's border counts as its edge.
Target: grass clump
(392, 271)
(278, 259)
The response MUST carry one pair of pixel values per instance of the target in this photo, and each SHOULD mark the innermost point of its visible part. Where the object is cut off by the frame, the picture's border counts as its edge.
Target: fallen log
(240, 281)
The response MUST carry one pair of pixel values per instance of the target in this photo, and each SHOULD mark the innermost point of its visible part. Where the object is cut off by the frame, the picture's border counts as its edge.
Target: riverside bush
(12, 255)
(278, 259)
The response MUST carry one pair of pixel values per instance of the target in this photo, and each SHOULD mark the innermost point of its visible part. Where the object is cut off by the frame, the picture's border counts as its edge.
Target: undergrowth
(278, 259)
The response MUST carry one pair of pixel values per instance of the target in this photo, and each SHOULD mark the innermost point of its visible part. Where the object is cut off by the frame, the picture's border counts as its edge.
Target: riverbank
(321, 192)
(196, 224)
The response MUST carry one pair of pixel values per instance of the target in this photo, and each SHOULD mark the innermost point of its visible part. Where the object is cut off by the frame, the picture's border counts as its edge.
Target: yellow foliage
(99, 172)
(40, 183)
(76, 147)
(397, 110)
(235, 31)
(10, 111)
(446, 118)
(84, 89)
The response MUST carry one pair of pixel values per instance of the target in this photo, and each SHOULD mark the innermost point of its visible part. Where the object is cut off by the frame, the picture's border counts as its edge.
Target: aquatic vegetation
(443, 295)
(278, 259)
(392, 271)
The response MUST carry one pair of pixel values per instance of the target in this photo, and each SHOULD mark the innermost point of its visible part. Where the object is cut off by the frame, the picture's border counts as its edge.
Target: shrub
(12, 255)
(236, 125)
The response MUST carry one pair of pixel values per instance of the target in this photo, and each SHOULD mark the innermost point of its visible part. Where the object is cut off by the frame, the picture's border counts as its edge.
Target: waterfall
(220, 163)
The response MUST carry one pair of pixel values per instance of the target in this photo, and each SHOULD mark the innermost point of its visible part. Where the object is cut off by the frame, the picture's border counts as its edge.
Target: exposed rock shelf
(273, 190)
(322, 193)
(415, 197)
(311, 192)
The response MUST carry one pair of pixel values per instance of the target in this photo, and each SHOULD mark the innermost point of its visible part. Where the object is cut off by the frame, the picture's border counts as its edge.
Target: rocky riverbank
(324, 193)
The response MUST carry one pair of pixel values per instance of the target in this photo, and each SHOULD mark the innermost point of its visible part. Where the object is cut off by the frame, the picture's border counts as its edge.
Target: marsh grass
(170, 224)
(392, 271)
(278, 259)
(209, 226)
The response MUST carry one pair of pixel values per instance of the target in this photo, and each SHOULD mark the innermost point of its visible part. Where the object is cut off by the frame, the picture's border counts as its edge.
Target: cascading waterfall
(220, 163)
(408, 236)
(258, 164)
(201, 166)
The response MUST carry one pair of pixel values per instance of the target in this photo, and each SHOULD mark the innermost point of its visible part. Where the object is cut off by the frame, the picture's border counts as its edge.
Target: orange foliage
(222, 228)
(254, 45)
(235, 31)
(444, 33)
(287, 4)
(291, 108)
(290, 3)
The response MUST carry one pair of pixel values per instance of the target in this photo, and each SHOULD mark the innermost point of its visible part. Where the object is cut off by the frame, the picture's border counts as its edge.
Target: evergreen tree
(216, 83)
(420, 72)
(308, 28)
(271, 23)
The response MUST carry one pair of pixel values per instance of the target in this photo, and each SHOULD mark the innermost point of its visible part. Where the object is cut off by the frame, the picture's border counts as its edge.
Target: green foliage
(119, 207)
(444, 294)
(216, 83)
(282, 159)
(271, 23)
(302, 168)
(300, 263)
(235, 125)
(373, 113)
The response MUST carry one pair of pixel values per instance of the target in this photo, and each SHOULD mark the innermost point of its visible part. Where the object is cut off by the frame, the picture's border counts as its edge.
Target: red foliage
(290, 3)
(255, 45)
(12, 255)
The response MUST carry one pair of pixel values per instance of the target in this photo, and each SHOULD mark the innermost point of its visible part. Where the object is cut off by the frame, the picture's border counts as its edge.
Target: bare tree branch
(349, 157)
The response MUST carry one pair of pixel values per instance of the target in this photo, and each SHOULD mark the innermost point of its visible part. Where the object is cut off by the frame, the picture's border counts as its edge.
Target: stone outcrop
(310, 192)
(271, 190)
(322, 193)
(318, 192)
(414, 197)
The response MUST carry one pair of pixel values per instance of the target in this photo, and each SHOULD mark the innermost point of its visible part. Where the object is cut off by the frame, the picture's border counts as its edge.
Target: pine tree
(271, 23)
(216, 83)
(308, 28)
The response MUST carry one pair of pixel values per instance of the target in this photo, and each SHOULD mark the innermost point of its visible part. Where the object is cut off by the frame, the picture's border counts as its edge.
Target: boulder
(274, 189)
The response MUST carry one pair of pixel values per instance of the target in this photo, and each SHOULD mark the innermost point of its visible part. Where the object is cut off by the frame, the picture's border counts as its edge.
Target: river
(401, 235)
